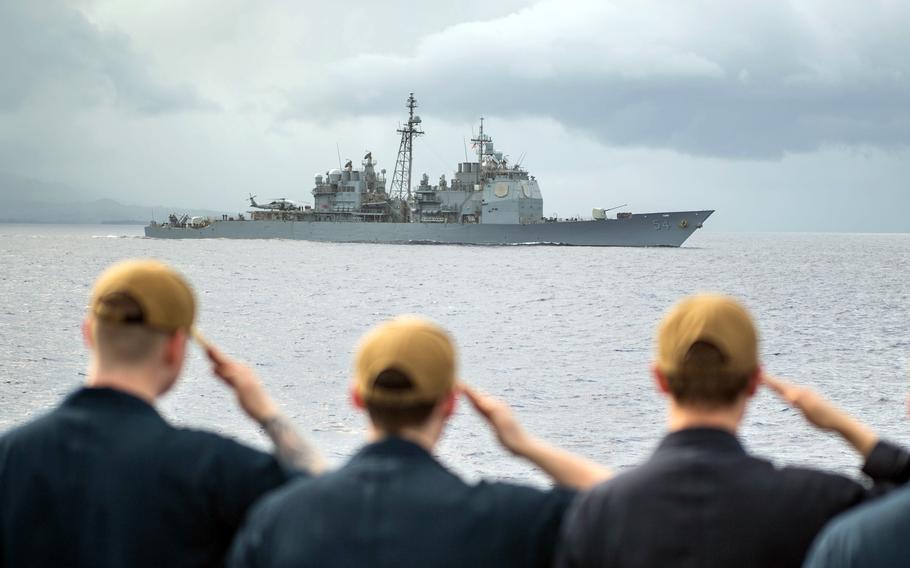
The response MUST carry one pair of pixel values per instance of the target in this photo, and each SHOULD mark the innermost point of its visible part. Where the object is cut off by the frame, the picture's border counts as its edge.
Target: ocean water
(563, 334)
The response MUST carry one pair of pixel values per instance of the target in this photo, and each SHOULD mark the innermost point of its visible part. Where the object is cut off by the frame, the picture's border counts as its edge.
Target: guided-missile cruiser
(489, 201)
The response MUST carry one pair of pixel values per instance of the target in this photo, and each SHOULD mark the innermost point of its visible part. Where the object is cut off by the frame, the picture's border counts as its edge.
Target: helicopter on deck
(279, 204)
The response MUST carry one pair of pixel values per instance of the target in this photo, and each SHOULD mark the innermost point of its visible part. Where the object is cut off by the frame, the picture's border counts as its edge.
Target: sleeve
(535, 517)
(573, 537)
(243, 550)
(247, 545)
(888, 465)
(244, 475)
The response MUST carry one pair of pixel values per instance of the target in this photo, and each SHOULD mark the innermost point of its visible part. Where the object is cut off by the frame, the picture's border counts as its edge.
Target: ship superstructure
(489, 191)
(351, 195)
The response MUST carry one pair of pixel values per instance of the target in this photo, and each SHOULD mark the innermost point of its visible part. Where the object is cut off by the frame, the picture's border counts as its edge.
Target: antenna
(521, 159)
(465, 142)
(480, 141)
(401, 179)
(338, 149)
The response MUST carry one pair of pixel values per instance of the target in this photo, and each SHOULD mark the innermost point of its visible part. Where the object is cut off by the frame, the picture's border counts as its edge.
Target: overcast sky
(780, 115)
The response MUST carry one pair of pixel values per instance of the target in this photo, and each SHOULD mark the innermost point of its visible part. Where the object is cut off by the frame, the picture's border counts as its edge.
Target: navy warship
(487, 202)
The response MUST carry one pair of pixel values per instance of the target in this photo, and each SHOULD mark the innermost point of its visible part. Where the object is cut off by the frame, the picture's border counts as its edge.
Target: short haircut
(126, 340)
(392, 418)
(702, 380)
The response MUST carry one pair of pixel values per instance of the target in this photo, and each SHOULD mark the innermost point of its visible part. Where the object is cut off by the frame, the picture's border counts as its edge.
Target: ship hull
(669, 229)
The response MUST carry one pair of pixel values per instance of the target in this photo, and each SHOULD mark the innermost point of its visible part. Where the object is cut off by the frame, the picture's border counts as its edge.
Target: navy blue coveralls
(394, 505)
(103, 480)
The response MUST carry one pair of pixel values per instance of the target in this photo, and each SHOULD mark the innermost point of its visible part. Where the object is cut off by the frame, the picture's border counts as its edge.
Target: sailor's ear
(663, 386)
(88, 332)
(449, 404)
(356, 399)
(175, 349)
(754, 382)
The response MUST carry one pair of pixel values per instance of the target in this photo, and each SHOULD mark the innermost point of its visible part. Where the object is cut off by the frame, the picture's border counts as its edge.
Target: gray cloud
(51, 56)
(611, 101)
(742, 80)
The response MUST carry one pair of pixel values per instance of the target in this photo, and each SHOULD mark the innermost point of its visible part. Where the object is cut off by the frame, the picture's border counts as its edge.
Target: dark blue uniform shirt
(394, 505)
(702, 501)
(103, 480)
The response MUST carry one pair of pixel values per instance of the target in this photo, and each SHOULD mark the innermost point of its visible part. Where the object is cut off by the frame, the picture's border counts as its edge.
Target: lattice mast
(401, 179)
(481, 144)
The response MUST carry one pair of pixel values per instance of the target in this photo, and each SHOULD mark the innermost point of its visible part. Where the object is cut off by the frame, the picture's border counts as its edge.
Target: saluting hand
(825, 415)
(499, 416)
(563, 467)
(251, 395)
(813, 406)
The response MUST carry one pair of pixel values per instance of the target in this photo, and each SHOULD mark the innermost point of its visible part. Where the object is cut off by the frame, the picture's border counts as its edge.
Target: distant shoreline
(39, 222)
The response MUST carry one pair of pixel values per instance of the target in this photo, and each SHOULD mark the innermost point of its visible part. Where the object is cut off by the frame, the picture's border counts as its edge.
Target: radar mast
(480, 142)
(401, 179)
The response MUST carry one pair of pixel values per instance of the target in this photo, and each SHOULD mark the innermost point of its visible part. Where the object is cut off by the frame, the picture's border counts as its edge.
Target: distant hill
(26, 200)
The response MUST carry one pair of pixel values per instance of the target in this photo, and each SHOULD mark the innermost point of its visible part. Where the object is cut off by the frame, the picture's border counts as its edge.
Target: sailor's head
(707, 352)
(140, 315)
(404, 375)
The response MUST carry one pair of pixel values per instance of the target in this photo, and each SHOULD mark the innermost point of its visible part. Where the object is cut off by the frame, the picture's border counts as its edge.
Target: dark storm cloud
(53, 58)
(741, 80)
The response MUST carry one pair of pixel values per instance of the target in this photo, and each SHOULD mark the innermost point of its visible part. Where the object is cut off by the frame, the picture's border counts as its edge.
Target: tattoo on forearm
(291, 448)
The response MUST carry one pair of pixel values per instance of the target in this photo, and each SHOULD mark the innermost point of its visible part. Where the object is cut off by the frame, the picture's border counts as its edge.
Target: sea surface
(564, 334)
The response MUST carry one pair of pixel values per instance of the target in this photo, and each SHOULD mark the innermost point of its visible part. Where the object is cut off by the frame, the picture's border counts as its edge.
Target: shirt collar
(395, 446)
(709, 439)
(107, 399)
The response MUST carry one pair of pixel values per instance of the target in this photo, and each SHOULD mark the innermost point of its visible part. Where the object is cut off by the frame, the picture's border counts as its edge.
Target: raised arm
(564, 467)
(290, 447)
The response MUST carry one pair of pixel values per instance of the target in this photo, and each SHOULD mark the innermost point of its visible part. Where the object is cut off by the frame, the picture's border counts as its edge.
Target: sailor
(394, 504)
(701, 499)
(103, 480)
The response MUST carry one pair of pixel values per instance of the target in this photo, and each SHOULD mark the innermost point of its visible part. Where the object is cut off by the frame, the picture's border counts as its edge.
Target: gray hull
(640, 230)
